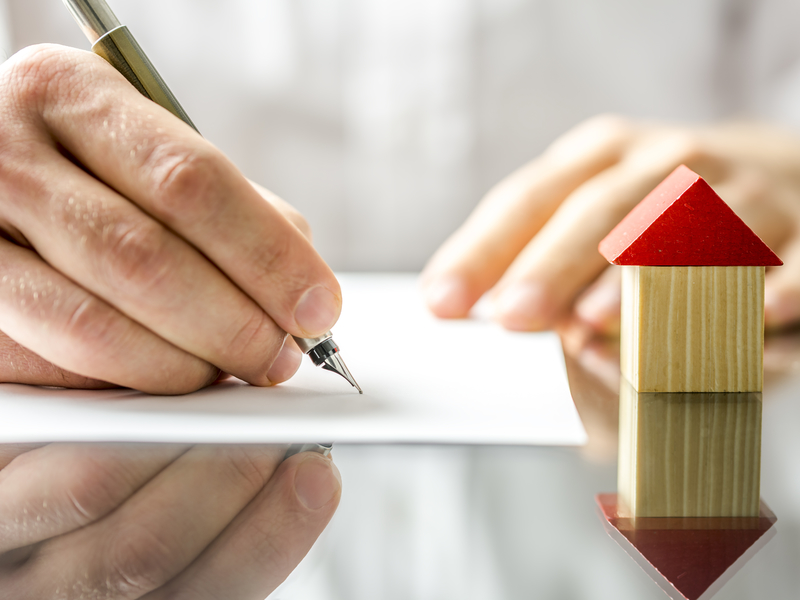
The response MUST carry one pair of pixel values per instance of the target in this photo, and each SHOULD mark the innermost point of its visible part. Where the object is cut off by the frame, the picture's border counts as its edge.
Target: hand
(158, 521)
(533, 238)
(133, 252)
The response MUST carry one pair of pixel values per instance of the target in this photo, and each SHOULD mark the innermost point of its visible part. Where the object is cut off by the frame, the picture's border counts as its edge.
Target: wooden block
(683, 222)
(689, 454)
(692, 329)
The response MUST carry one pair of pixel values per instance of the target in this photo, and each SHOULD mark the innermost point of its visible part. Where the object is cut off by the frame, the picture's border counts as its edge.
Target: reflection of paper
(424, 380)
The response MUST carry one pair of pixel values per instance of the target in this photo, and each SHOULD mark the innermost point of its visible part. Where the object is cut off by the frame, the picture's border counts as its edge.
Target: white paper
(425, 381)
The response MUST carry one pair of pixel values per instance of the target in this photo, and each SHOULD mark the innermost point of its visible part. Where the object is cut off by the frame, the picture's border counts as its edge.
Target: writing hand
(133, 252)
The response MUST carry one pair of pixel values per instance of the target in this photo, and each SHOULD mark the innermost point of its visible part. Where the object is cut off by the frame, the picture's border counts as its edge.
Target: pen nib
(335, 364)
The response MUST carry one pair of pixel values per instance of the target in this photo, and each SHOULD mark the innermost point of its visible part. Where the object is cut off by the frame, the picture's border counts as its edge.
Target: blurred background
(385, 122)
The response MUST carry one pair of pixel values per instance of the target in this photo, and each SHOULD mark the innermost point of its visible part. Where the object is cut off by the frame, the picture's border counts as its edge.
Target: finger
(513, 212)
(599, 306)
(59, 488)
(268, 539)
(9, 452)
(163, 166)
(563, 259)
(157, 533)
(63, 324)
(556, 265)
(782, 289)
(20, 365)
(289, 212)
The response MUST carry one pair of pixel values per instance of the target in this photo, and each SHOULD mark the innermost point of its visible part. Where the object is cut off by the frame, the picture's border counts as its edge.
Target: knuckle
(137, 561)
(45, 75)
(257, 336)
(92, 324)
(250, 467)
(684, 147)
(97, 490)
(607, 132)
(606, 129)
(185, 182)
(29, 75)
(134, 255)
(607, 125)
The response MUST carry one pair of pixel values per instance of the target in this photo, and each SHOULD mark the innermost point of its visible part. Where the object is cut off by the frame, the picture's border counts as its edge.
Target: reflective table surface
(425, 523)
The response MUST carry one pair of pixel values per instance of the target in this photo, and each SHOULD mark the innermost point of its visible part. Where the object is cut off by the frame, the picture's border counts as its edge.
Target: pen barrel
(94, 17)
(119, 48)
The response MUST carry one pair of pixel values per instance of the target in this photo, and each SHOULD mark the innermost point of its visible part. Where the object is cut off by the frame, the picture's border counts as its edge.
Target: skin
(159, 521)
(532, 241)
(133, 253)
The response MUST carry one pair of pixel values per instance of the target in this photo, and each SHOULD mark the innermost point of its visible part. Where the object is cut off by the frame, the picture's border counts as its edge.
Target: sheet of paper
(424, 380)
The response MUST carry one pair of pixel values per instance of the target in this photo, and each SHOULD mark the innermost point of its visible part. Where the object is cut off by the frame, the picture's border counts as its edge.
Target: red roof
(683, 222)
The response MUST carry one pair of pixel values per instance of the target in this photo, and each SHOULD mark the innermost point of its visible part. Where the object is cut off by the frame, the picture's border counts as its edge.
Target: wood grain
(692, 329)
(689, 454)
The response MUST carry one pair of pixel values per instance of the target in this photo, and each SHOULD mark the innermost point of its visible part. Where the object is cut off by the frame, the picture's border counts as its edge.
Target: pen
(114, 42)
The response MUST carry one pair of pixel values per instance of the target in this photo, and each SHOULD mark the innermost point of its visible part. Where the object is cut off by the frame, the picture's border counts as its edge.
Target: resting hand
(125, 522)
(533, 239)
(132, 251)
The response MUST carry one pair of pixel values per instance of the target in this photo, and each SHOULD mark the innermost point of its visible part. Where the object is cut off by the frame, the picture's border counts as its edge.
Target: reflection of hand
(534, 237)
(133, 252)
(90, 521)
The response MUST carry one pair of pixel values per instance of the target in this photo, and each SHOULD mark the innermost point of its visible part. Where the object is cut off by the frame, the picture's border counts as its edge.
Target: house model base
(692, 329)
(689, 455)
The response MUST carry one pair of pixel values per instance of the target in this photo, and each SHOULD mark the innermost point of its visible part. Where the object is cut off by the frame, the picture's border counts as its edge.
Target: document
(425, 380)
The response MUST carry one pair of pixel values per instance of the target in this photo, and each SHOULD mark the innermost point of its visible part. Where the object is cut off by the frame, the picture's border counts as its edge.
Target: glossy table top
(421, 522)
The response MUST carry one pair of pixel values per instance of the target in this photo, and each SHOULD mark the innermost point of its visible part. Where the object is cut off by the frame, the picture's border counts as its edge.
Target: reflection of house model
(692, 291)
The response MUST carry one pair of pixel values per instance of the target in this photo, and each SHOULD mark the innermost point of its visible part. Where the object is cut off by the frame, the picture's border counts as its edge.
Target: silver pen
(114, 42)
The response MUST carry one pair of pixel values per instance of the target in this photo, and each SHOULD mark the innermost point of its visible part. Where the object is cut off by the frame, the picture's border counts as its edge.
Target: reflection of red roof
(682, 222)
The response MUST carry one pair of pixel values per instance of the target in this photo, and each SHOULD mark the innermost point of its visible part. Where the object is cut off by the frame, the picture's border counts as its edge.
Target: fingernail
(448, 297)
(317, 481)
(317, 311)
(286, 363)
(524, 307)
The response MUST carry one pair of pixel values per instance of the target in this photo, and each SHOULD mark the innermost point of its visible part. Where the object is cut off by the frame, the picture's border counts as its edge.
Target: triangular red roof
(691, 557)
(683, 222)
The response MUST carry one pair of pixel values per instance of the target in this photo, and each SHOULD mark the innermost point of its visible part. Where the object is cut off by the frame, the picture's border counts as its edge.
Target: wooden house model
(692, 291)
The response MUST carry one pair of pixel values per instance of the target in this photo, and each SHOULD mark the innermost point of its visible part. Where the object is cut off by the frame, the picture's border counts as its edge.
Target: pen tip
(335, 364)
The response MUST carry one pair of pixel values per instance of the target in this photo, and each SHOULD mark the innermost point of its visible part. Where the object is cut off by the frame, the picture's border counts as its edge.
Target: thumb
(269, 538)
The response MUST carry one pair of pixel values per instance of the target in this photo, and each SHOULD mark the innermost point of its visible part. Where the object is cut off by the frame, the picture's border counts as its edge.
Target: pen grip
(121, 49)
